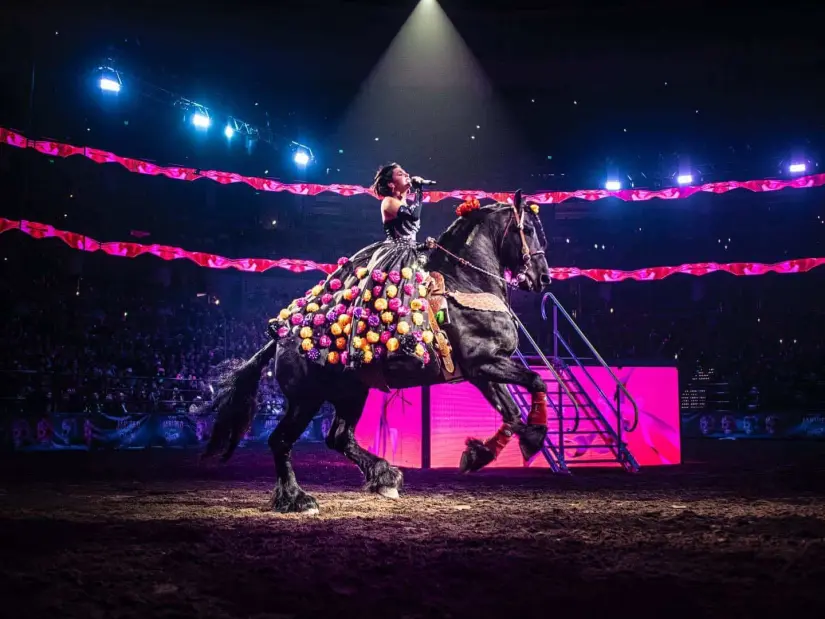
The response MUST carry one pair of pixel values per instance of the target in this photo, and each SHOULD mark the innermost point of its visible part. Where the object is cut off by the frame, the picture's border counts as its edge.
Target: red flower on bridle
(468, 206)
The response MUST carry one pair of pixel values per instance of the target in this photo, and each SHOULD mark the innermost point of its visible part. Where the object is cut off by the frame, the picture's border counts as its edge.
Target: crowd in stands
(107, 334)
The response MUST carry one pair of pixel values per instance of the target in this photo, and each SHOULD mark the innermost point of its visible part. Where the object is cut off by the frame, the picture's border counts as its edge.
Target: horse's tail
(235, 400)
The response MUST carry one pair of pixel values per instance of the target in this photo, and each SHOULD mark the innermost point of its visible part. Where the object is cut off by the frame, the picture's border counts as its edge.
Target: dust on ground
(156, 533)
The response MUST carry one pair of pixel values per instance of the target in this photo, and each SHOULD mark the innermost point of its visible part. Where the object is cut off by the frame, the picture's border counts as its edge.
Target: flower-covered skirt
(371, 309)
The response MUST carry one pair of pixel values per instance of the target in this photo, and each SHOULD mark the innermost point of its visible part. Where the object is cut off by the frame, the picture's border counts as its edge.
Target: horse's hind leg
(492, 380)
(288, 496)
(381, 478)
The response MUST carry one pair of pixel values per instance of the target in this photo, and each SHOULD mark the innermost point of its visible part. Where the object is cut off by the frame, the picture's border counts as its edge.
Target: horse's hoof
(385, 480)
(475, 457)
(531, 441)
(294, 502)
(389, 493)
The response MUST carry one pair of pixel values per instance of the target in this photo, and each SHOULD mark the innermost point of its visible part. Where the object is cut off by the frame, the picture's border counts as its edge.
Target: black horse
(472, 255)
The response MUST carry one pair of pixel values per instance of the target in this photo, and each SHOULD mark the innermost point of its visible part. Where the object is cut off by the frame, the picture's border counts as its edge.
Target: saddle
(438, 314)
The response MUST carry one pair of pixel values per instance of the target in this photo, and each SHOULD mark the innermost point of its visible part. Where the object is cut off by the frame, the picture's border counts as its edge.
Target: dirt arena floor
(156, 534)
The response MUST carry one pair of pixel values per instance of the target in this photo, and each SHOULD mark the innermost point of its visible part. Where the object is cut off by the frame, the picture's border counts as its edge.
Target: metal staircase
(579, 429)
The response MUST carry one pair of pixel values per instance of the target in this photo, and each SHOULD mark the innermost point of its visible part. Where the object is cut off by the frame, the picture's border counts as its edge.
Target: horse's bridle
(526, 255)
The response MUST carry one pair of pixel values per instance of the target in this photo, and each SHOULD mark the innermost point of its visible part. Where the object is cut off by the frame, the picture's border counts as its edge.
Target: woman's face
(400, 180)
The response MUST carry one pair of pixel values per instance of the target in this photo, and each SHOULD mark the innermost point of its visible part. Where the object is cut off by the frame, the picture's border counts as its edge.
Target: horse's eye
(528, 230)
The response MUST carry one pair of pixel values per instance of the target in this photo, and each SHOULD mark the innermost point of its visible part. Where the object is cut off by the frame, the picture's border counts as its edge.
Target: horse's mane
(463, 225)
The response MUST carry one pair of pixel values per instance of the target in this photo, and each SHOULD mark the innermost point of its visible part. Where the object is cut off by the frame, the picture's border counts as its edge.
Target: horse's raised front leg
(381, 477)
(492, 379)
(288, 496)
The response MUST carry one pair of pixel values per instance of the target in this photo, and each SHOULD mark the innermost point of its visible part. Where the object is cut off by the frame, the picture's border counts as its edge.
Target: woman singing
(373, 307)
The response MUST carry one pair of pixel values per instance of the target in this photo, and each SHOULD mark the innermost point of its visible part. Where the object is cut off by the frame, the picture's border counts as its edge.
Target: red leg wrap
(538, 409)
(499, 440)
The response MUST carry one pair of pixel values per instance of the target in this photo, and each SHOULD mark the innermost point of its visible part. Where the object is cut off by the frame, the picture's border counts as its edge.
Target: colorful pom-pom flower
(367, 296)
(318, 320)
(394, 304)
(347, 295)
(385, 336)
(392, 291)
(333, 357)
(376, 290)
(374, 320)
(415, 305)
(409, 289)
(296, 319)
(326, 298)
(393, 344)
(342, 261)
(335, 284)
(372, 337)
(368, 356)
(336, 329)
(380, 304)
(341, 343)
(403, 327)
(344, 319)
(387, 317)
(283, 331)
(324, 341)
(313, 354)
(283, 314)
(379, 276)
(357, 342)
(427, 337)
(312, 308)
(316, 290)
(361, 272)
(394, 276)
(306, 344)
(305, 332)
(418, 318)
(406, 272)
(419, 350)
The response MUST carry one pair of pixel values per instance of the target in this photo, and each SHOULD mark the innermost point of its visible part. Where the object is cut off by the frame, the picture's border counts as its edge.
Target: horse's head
(496, 238)
(522, 245)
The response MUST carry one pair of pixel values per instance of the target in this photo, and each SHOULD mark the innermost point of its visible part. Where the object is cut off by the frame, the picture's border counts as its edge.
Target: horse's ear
(517, 200)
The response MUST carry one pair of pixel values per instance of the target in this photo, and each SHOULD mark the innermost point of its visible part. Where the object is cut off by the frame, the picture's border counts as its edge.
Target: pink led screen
(458, 411)
(390, 427)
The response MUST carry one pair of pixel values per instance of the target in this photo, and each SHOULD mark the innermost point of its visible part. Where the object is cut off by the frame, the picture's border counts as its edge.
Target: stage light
(684, 179)
(613, 185)
(302, 154)
(229, 132)
(201, 120)
(797, 168)
(108, 84)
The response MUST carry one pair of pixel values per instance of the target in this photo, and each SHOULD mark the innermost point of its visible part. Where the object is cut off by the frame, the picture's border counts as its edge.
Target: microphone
(417, 182)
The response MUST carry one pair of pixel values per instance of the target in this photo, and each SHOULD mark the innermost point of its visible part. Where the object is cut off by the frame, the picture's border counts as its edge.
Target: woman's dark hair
(381, 183)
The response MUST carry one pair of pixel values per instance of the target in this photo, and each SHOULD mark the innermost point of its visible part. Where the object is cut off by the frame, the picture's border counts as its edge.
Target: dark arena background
(175, 175)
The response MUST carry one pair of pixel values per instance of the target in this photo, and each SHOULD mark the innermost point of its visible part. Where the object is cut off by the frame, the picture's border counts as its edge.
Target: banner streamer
(58, 149)
(259, 265)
